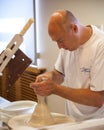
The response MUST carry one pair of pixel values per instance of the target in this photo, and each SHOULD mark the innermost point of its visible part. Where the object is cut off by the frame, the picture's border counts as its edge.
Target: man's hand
(43, 86)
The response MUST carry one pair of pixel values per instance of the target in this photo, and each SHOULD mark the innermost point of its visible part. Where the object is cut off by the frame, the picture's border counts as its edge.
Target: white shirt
(84, 68)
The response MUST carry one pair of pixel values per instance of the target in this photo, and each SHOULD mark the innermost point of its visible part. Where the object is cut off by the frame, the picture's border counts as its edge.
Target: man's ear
(74, 28)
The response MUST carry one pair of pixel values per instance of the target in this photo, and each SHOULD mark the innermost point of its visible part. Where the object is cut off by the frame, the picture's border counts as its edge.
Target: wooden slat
(21, 89)
(0, 85)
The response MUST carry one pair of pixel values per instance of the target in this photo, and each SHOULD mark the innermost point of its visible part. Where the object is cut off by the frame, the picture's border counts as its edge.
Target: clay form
(41, 115)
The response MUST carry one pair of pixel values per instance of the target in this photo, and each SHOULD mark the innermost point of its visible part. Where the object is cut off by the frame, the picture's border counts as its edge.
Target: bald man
(79, 66)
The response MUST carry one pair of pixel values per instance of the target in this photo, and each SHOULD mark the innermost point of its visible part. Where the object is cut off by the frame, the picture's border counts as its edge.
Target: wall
(87, 11)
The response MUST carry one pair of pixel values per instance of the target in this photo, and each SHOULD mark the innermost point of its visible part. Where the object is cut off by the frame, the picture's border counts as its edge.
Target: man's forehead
(55, 29)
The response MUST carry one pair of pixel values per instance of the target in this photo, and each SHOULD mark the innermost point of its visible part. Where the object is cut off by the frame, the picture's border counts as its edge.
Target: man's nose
(60, 45)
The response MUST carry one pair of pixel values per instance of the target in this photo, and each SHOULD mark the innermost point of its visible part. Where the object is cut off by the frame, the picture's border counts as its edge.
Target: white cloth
(82, 68)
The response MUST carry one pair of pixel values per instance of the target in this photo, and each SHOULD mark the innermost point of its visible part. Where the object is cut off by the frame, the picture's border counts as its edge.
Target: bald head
(67, 31)
(61, 19)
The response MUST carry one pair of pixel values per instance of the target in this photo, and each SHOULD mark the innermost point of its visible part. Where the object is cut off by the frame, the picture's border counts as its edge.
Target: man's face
(67, 40)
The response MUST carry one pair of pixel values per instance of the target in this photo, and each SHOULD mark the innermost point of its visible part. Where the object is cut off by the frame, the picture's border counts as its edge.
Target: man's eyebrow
(61, 39)
(55, 39)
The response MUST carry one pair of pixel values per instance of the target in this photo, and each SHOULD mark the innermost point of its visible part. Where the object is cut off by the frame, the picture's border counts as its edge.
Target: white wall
(87, 11)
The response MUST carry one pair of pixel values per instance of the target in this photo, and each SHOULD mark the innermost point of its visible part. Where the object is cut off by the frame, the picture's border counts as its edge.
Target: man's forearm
(81, 96)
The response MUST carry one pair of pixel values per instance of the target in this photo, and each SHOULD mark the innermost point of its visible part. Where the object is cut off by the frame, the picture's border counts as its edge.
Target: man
(80, 65)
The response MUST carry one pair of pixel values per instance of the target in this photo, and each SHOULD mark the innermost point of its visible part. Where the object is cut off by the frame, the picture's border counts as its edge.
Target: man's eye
(60, 41)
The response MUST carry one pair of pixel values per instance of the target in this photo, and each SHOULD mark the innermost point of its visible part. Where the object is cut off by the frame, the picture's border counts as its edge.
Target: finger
(41, 78)
(31, 85)
(39, 92)
(38, 79)
(34, 85)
